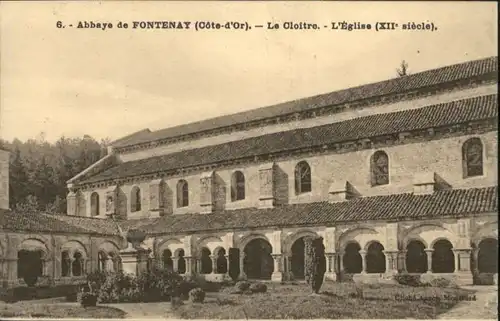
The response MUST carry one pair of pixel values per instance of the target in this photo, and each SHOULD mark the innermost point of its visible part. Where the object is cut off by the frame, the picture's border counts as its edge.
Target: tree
(403, 69)
(28, 205)
(39, 170)
(315, 262)
(18, 178)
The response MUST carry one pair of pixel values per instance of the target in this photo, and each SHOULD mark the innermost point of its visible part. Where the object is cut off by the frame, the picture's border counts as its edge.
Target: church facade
(398, 176)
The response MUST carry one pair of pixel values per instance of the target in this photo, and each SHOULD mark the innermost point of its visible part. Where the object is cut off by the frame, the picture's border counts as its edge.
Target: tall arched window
(302, 178)
(101, 261)
(94, 204)
(237, 186)
(182, 194)
(135, 199)
(379, 164)
(65, 263)
(77, 266)
(168, 263)
(472, 155)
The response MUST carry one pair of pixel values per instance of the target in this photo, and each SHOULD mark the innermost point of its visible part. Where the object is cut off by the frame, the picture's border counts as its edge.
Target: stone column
(189, 265)
(391, 262)
(198, 265)
(340, 264)
(175, 262)
(475, 260)
(228, 264)
(363, 261)
(214, 263)
(330, 267)
(70, 268)
(456, 262)
(11, 272)
(109, 264)
(242, 275)
(277, 275)
(401, 261)
(429, 259)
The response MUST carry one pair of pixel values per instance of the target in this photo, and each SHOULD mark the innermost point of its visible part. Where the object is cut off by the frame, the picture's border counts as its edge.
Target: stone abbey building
(396, 176)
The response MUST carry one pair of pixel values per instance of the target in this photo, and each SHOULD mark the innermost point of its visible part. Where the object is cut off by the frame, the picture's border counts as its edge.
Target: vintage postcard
(248, 160)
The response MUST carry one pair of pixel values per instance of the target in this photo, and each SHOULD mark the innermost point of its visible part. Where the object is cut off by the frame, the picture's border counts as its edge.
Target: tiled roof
(393, 207)
(455, 112)
(40, 222)
(388, 87)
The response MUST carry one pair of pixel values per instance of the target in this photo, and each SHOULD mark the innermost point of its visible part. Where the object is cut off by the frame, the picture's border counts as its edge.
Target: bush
(156, 285)
(315, 262)
(242, 286)
(408, 279)
(443, 283)
(114, 287)
(97, 279)
(88, 299)
(258, 288)
(197, 295)
(185, 286)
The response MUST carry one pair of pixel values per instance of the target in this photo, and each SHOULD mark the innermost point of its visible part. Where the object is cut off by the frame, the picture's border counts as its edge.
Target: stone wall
(442, 157)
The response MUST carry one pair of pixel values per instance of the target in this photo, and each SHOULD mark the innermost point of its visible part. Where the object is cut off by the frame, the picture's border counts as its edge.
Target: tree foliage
(315, 262)
(403, 69)
(39, 170)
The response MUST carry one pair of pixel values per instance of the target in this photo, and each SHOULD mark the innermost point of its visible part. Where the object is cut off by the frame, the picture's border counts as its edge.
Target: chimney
(4, 179)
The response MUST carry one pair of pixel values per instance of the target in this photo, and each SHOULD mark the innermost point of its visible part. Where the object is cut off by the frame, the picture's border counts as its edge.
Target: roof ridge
(402, 81)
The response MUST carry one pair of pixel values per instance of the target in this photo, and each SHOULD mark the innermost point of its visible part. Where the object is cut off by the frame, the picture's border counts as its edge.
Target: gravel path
(484, 307)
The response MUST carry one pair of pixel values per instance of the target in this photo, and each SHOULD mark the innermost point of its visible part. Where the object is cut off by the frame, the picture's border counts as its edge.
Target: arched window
(77, 265)
(181, 262)
(302, 178)
(472, 155)
(379, 164)
(237, 186)
(101, 261)
(135, 199)
(94, 204)
(168, 263)
(221, 262)
(65, 263)
(182, 194)
(206, 261)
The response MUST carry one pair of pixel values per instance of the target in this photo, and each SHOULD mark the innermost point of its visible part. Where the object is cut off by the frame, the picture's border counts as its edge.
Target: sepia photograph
(248, 160)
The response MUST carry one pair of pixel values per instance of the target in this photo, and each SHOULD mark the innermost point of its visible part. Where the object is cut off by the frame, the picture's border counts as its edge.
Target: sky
(111, 83)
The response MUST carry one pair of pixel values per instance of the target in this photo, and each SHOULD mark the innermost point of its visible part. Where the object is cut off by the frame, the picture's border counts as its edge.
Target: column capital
(429, 250)
(362, 252)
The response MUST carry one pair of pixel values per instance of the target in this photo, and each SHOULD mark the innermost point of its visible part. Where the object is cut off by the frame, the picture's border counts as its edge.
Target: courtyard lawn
(29, 309)
(337, 301)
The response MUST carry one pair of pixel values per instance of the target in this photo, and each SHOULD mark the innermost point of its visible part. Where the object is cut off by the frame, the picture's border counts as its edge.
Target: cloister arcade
(276, 254)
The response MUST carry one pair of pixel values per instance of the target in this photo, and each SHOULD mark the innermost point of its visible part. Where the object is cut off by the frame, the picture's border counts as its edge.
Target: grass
(337, 301)
(57, 310)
